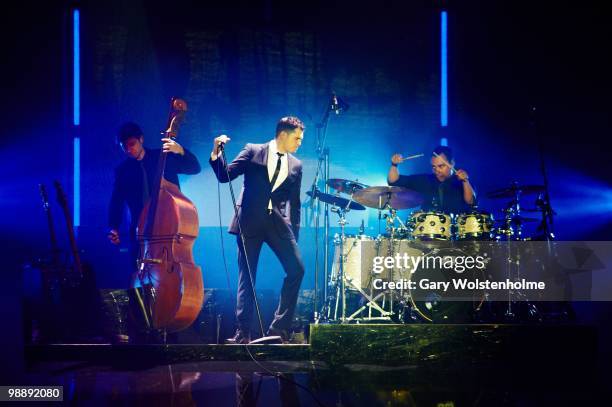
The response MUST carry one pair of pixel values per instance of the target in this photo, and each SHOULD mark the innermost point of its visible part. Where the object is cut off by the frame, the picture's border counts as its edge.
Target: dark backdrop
(241, 66)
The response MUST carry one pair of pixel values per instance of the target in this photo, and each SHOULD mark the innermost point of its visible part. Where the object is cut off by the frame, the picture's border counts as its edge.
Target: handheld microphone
(334, 105)
(337, 104)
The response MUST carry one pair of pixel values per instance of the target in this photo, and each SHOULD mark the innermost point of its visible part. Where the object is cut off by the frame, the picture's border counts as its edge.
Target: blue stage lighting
(443, 71)
(76, 114)
(76, 69)
(77, 183)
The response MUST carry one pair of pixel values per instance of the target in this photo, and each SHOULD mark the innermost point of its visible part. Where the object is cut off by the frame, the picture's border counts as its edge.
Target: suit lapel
(264, 155)
(289, 165)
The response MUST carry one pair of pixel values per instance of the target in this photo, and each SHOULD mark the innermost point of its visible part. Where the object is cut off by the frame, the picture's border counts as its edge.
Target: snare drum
(431, 225)
(475, 225)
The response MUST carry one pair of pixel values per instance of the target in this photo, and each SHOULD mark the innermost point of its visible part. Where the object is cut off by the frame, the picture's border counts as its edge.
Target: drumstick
(412, 156)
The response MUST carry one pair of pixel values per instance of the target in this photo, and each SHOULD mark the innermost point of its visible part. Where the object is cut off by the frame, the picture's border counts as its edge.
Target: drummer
(446, 189)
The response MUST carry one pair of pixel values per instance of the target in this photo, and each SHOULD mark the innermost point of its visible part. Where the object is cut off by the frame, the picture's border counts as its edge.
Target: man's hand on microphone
(113, 236)
(222, 139)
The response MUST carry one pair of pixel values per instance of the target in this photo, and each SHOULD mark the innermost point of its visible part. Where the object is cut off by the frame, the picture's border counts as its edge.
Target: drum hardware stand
(322, 161)
(391, 218)
(543, 201)
(342, 281)
(513, 233)
(391, 229)
(326, 303)
(339, 292)
(372, 304)
(342, 223)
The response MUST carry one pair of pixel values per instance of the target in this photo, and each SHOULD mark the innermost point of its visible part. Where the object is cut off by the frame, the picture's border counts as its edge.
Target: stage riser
(427, 344)
(444, 347)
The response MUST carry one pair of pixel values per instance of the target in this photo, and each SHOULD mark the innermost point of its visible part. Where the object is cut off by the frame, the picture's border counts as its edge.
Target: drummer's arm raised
(469, 195)
(393, 174)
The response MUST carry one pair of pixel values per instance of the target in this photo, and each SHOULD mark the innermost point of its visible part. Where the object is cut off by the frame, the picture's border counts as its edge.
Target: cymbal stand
(513, 233)
(543, 201)
(509, 212)
(391, 219)
(348, 204)
(322, 163)
(342, 281)
(372, 304)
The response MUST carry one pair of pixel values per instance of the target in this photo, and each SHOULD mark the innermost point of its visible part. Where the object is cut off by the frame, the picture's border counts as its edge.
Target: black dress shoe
(240, 338)
(278, 332)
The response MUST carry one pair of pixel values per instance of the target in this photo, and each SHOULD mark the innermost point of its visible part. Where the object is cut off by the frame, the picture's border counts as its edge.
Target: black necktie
(276, 170)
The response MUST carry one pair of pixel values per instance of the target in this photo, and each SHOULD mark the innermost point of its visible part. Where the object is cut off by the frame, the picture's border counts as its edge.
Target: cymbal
(396, 197)
(516, 219)
(512, 190)
(345, 185)
(336, 200)
(522, 219)
(530, 209)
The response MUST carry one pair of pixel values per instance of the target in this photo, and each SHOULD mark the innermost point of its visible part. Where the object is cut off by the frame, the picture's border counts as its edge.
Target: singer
(268, 211)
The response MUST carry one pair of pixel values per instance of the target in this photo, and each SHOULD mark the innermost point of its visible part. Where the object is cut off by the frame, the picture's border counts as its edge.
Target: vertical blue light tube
(76, 69)
(443, 71)
(76, 116)
(77, 182)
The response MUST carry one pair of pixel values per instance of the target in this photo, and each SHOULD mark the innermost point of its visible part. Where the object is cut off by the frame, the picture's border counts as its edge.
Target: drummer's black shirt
(445, 196)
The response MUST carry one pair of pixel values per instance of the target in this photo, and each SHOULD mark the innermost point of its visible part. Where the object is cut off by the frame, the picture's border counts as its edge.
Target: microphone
(220, 145)
(334, 105)
(337, 105)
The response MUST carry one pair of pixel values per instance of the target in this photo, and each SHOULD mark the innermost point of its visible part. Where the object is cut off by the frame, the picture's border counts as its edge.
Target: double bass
(167, 229)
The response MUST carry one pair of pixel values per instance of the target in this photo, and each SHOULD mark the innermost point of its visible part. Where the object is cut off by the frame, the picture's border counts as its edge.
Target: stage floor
(346, 364)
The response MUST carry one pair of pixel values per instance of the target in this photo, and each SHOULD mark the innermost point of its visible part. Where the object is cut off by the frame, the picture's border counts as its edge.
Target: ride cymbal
(336, 200)
(345, 185)
(513, 190)
(395, 197)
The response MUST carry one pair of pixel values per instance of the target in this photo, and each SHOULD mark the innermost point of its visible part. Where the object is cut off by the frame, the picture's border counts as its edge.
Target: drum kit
(352, 296)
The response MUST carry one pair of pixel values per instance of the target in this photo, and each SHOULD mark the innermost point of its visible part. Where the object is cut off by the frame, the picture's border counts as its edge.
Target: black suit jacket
(257, 191)
(129, 187)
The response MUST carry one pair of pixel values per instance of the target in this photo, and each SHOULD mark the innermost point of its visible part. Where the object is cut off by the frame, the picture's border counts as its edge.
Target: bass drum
(356, 261)
(431, 302)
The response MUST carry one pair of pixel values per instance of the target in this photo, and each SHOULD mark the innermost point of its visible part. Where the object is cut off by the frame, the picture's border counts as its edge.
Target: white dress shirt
(284, 168)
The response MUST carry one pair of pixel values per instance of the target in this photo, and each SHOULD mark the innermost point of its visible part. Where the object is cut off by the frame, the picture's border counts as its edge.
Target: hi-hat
(336, 200)
(514, 189)
(345, 185)
(523, 219)
(517, 219)
(395, 197)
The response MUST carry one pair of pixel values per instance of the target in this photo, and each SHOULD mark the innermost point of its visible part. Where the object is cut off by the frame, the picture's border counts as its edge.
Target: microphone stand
(322, 162)
(543, 204)
(263, 338)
